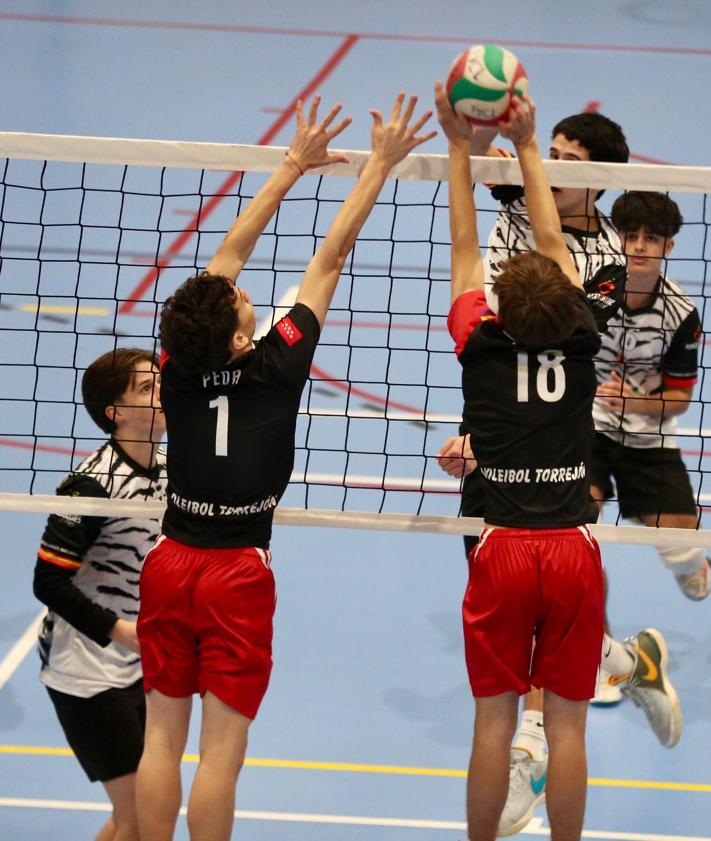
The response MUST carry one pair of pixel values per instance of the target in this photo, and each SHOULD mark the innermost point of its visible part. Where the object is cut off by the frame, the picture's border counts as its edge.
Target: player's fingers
(337, 159)
(299, 113)
(397, 106)
(423, 119)
(418, 141)
(410, 109)
(329, 118)
(377, 117)
(342, 126)
(313, 110)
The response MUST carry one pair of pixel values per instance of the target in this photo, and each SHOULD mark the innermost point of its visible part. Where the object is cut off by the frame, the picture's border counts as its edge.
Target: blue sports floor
(365, 732)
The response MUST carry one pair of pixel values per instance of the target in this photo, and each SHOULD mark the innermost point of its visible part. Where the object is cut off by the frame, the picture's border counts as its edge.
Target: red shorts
(534, 583)
(205, 623)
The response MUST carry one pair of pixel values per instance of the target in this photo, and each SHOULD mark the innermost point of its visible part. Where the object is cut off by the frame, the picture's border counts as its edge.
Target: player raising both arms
(529, 383)
(231, 407)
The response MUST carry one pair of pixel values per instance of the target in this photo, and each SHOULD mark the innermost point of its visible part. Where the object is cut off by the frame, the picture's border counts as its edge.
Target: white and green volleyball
(482, 81)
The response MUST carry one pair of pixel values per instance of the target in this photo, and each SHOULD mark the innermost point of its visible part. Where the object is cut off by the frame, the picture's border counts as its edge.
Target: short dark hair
(198, 321)
(601, 136)
(654, 211)
(106, 380)
(537, 302)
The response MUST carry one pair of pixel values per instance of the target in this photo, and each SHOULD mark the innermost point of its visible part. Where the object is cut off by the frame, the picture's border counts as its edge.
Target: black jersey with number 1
(231, 437)
(529, 412)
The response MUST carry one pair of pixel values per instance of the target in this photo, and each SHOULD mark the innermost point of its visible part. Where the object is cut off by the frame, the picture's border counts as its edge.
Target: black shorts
(647, 480)
(104, 731)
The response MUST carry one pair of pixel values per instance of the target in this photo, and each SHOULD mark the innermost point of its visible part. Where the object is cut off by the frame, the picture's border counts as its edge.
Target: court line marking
(20, 649)
(535, 827)
(362, 768)
(191, 228)
(324, 33)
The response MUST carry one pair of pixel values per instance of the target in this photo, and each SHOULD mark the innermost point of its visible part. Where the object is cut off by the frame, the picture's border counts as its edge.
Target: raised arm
(542, 212)
(391, 142)
(467, 265)
(308, 150)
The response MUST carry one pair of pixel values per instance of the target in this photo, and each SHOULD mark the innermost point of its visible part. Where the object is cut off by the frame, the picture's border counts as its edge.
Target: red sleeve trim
(465, 315)
(680, 382)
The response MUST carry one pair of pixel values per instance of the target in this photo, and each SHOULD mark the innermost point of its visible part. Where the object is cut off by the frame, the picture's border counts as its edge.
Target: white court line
(535, 827)
(20, 649)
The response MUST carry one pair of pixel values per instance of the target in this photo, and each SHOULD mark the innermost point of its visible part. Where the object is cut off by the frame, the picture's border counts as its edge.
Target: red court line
(149, 280)
(325, 33)
(349, 388)
(42, 448)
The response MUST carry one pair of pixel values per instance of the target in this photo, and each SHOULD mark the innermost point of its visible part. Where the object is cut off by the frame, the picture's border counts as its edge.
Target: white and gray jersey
(512, 235)
(652, 349)
(87, 572)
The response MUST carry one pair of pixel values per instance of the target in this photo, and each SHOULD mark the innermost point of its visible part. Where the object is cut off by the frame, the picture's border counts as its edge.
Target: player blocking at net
(207, 589)
(529, 384)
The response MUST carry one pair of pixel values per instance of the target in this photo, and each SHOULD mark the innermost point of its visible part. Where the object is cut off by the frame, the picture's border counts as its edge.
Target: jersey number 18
(550, 373)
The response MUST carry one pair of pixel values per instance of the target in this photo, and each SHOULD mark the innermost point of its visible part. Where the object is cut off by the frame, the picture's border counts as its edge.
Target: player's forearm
(240, 240)
(54, 587)
(667, 404)
(462, 220)
(542, 212)
(351, 217)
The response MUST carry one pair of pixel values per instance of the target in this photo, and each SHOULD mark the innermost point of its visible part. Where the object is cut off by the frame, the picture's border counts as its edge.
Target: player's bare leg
(488, 779)
(123, 825)
(158, 786)
(566, 788)
(689, 565)
(223, 744)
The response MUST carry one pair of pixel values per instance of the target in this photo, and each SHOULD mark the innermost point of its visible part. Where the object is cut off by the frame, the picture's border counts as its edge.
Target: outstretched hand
(520, 128)
(394, 140)
(309, 146)
(457, 128)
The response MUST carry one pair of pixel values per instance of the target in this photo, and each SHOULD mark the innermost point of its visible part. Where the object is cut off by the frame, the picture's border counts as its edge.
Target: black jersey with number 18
(529, 413)
(231, 437)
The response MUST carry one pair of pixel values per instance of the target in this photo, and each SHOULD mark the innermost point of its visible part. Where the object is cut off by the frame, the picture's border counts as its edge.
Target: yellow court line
(309, 765)
(57, 309)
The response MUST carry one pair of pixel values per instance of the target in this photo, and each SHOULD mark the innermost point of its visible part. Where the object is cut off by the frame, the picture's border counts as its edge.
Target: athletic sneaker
(606, 694)
(527, 788)
(649, 686)
(696, 585)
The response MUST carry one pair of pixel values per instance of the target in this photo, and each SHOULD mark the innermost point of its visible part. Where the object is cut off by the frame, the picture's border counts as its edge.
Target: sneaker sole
(524, 821)
(668, 688)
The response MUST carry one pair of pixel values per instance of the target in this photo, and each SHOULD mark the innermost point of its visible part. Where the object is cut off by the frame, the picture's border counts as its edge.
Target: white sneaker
(696, 585)
(607, 694)
(527, 789)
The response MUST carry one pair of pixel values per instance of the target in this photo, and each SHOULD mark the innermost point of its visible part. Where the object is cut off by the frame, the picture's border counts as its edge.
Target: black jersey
(231, 437)
(529, 412)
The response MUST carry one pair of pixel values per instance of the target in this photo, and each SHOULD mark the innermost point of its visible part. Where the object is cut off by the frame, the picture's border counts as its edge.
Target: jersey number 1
(551, 363)
(222, 404)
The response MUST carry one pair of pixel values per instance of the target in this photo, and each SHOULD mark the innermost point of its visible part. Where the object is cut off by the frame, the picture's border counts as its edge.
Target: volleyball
(482, 81)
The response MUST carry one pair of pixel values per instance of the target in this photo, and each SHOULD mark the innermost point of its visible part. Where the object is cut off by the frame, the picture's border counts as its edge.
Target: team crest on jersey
(288, 331)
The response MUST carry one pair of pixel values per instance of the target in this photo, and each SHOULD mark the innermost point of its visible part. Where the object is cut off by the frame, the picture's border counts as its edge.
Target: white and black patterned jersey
(529, 412)
(87, 574)
(231, 437)
(652, 348)
(512, 234)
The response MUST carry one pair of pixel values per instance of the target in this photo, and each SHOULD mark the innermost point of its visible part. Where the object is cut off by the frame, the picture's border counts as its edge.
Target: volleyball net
(95, 233)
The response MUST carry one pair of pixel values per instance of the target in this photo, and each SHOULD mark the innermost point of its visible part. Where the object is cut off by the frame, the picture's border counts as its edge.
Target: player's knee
(682, 560)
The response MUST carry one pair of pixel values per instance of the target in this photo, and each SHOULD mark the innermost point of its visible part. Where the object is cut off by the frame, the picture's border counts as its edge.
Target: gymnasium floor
(365, 732)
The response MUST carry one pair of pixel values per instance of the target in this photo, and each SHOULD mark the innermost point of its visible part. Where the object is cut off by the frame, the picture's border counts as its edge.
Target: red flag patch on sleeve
(288, 331)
